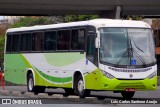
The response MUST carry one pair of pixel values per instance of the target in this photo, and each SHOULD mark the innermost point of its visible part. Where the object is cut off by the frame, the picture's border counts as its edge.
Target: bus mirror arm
(97, 43)
(97, 40)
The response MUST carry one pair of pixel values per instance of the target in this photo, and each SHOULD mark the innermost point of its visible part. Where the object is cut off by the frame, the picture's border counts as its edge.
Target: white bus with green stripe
(80, 57)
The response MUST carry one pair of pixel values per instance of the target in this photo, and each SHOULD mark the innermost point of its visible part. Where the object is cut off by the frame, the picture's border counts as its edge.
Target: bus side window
(90, 47)
(25, 42)
(50, 41)
(37, 41)
(9, 43)
(77, 39)
(16, 43)
(63, 40)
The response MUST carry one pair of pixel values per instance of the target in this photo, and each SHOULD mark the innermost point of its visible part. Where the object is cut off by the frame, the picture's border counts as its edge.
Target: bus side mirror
(97, 43)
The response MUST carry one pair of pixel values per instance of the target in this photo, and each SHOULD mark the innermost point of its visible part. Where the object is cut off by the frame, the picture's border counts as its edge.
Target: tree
(29, 21)
(2, 41)
(3, 29)
(72, 18)
(35, 20)
(134, 17)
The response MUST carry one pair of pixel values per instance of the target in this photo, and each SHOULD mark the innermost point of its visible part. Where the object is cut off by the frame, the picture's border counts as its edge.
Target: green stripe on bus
(47, 77)
(26, 62)
(54, 79)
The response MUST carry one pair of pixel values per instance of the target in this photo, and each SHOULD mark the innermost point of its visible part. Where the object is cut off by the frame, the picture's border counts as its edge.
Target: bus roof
(96, 22)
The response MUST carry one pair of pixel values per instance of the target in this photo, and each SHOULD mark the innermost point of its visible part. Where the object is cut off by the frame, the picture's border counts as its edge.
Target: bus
(80, 57)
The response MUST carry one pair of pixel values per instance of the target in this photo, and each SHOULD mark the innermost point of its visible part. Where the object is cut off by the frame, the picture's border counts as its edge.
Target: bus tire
(31, 87)
(30, 83)
(79, 88)
(127, 95)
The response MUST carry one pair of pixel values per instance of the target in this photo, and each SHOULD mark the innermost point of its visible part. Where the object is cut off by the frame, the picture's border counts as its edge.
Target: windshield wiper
(133, 51)
(130, 51)
(136, 45)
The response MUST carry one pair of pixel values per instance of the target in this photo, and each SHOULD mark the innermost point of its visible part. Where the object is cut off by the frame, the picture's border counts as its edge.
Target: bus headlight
(108, 75)
(152, 75)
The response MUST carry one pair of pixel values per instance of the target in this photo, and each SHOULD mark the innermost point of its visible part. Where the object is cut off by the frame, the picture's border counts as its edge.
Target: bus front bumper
(119, 85)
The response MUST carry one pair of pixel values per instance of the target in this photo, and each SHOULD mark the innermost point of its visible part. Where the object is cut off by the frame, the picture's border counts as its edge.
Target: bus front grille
(130, 85)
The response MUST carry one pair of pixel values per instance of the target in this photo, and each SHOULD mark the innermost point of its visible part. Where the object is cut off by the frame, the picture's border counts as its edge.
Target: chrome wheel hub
(30, 84)
(80, 86)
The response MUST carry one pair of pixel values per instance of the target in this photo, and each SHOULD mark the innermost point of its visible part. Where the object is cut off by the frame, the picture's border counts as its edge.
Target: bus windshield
(127, 46)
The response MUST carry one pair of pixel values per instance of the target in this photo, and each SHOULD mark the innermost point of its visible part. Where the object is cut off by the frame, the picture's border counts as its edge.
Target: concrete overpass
(104, 8)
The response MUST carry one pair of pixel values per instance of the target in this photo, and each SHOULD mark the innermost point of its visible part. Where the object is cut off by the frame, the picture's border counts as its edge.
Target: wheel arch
(77, 73)
(30, 70)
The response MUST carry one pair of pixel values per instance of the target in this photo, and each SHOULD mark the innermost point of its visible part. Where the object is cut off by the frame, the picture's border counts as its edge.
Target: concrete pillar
(112, 14)
(118, 12)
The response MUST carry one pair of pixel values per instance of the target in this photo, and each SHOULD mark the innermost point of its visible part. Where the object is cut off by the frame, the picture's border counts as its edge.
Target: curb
(5, 92)
(73, 98)
(29, 94)
(57, 96)
(91, 100)
(16, 93)
(43, 95)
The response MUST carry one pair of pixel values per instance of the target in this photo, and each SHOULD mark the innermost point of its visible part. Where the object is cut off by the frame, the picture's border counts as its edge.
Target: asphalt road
(106, 94)
(79, 105)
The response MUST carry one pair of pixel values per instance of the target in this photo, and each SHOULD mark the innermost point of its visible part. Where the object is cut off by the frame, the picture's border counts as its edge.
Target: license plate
(130, 89)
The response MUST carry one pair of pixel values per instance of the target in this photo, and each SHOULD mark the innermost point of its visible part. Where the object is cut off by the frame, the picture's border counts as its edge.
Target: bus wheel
(127, 95)
(31, 87)
(81, 92)
(30, 83)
